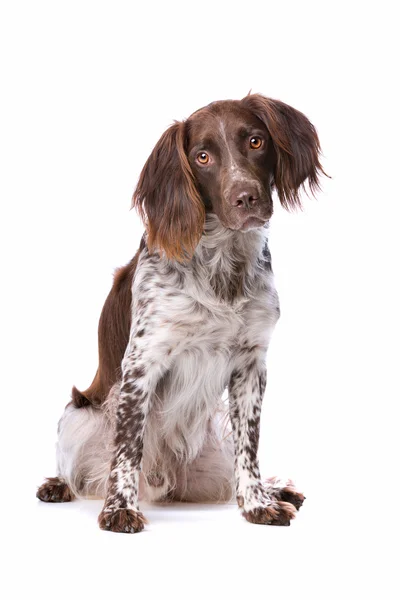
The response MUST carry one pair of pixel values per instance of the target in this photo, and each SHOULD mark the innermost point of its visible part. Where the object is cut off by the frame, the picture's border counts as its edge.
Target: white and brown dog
(191, 315)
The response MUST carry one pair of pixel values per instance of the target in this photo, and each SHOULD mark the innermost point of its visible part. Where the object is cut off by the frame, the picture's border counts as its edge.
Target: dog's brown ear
(167, 199)
(296, 145)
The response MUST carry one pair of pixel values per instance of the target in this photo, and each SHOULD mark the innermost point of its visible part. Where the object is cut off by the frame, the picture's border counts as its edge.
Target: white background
(87, 89)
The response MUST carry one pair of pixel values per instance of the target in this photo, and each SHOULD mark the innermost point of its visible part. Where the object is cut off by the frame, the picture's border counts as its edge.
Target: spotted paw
(54, 489)
(277, 513)
(122, 521)
(284, 489)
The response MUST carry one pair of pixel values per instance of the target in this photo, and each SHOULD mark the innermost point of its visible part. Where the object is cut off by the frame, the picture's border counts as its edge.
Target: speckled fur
(190, 339)
(191, 316)
(164, 432)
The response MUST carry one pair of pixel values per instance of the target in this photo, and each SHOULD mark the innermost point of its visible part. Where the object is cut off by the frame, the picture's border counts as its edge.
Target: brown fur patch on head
(167, 198)
(296, 144)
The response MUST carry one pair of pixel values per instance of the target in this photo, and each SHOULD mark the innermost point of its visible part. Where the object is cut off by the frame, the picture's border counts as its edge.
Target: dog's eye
(203, 158)
(255, 142)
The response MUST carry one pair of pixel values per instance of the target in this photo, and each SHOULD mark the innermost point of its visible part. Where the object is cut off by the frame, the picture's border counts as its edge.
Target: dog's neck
(231, 260)
(222, 249)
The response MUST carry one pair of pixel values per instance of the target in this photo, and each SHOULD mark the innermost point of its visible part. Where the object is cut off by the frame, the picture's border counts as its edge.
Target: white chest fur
(196, 315)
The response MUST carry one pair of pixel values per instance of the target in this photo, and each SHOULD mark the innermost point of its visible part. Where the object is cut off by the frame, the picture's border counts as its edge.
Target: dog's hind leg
(84, 451)
(56, 489)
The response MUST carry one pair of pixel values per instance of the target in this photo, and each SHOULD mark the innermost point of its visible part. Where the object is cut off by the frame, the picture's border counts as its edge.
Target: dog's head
(226, 158)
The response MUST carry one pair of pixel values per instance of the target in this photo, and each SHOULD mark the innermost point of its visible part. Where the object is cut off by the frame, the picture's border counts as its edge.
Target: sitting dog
(191, 315)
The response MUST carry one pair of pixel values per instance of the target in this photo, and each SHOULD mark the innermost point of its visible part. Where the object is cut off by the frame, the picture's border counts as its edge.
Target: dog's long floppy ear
(296, 145)
(167, 199)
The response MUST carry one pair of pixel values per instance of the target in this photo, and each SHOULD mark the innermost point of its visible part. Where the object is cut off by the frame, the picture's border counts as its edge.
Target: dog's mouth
(248, 224)
(237, 221)
(252, 223)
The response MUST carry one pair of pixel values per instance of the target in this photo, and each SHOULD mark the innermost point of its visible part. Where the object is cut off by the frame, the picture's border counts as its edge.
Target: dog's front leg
(259, 501)
(140, 374)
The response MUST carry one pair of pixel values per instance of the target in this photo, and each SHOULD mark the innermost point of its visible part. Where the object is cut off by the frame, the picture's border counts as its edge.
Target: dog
(190, 316)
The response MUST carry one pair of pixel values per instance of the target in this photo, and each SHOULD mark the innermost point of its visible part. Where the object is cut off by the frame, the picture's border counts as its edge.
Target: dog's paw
(261, 506)
(122, 520)
(54, 489)
(284, 490)
(277, 513)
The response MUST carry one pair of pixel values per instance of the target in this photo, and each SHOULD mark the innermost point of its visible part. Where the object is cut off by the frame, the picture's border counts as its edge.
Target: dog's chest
(203, 311)
(206, 344)
(189, 393)
(204, 330)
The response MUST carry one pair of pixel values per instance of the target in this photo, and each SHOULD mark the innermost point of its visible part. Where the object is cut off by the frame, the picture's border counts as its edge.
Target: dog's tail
(79, 400)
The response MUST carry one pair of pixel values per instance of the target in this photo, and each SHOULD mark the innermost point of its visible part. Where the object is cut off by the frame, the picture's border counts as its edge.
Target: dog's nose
(244, 197)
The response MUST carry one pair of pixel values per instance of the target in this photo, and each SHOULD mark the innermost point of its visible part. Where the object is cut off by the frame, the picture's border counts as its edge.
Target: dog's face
(232, 158)
(227, 158)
